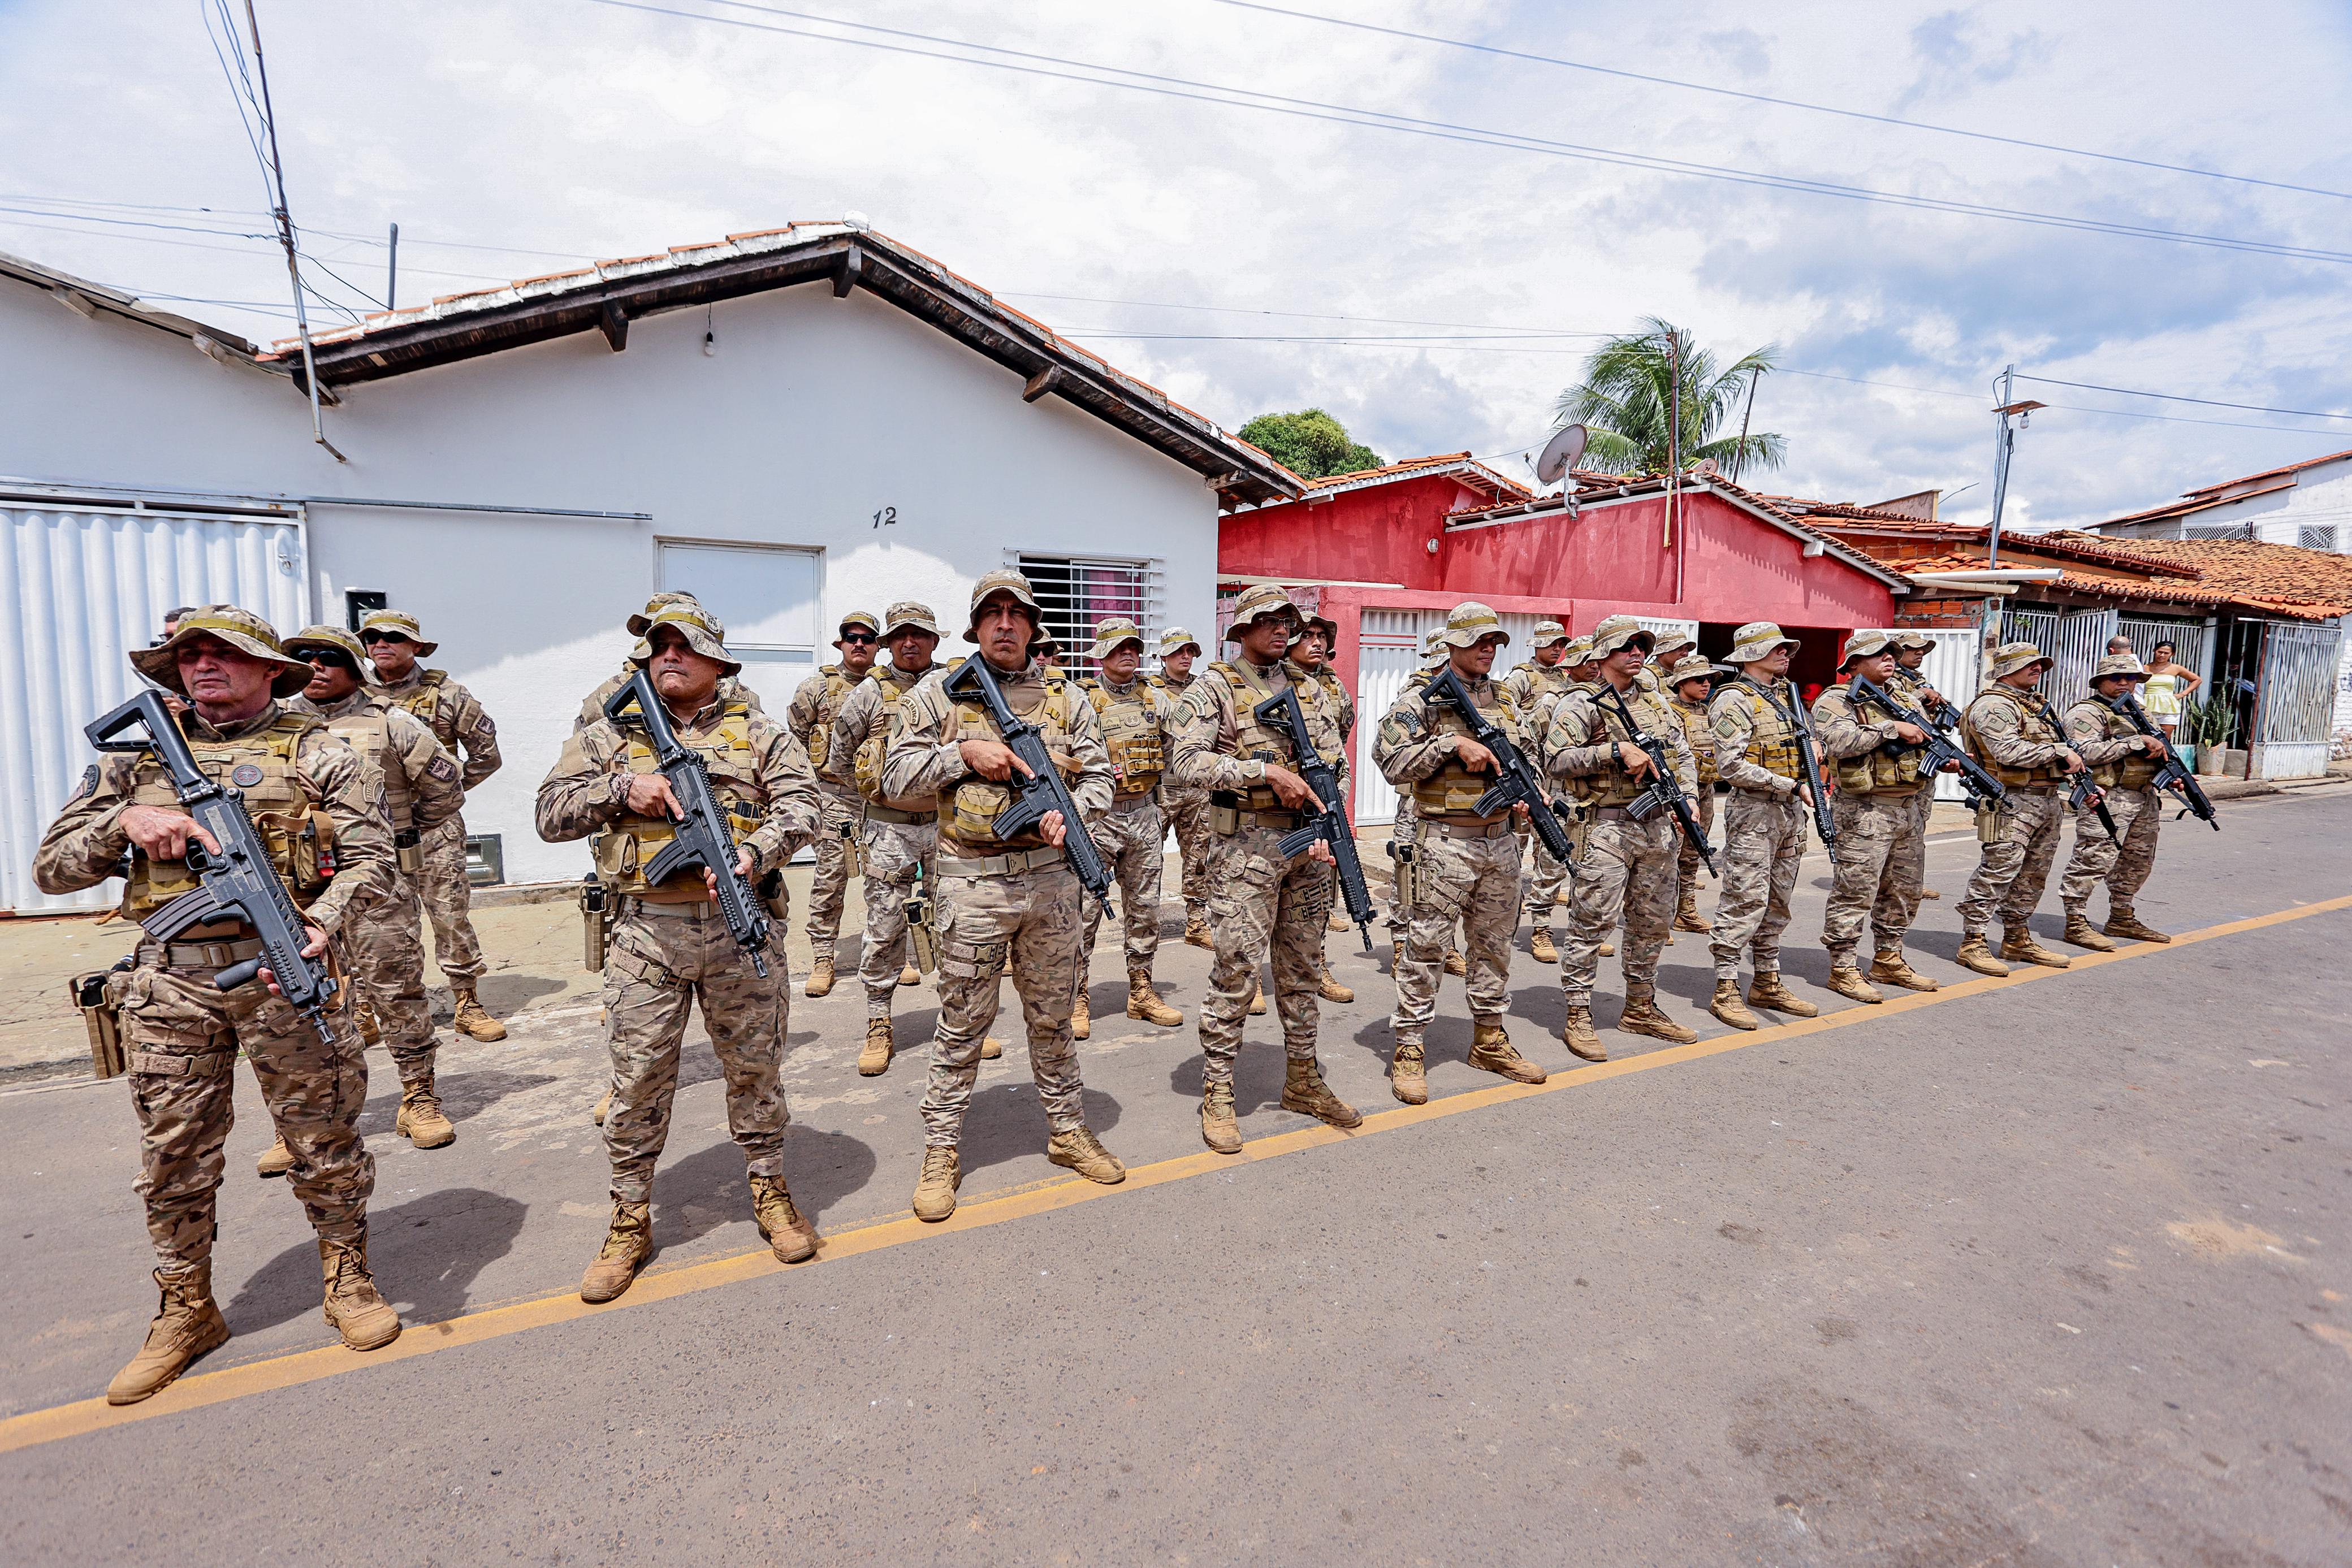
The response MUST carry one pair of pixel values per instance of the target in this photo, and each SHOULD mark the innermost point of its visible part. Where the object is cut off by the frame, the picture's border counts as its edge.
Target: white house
(2307, 504)
(791, 424)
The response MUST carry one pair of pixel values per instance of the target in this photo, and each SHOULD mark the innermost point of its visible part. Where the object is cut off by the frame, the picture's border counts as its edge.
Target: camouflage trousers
(1131, 838)
(1873, 874)
(1187, 814)
(182, 1037)
(2011, 870)
(1028, 921)
(449, 896)
(387, 958)
(1401, 831)
(1627, 874)
(1763, 840)
(656, 967)
(844, 813)
(1915, 879)
(2125, 867)
(1477, 882)
(1686, 865)
(1262, 903)
(894, 853)
(1544, 886)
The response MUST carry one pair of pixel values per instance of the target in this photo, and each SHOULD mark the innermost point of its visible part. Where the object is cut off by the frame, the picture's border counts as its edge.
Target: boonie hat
(1619, 632)
(1003, 580)
(1692, 668)
(1110, 632)
(1175, 640)
(1545, 633)
(1470, 624)
(638, 623)
(241, 630)
(396, 624)
(865, 618)
(2125, 665)
(1579, 652)
(1865, 643)
(2011, 657)
(703, 633)
(909, 614)
(1256, 602)
(1756, 640)
(1911, 637)
(334, 637)
(1667, 645)
(1309, 622)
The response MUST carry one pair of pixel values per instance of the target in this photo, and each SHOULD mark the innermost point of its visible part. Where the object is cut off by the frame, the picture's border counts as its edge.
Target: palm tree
(1624, 400)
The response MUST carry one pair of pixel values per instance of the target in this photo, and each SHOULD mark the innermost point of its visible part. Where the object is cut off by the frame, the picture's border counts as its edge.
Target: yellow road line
(38, 1426)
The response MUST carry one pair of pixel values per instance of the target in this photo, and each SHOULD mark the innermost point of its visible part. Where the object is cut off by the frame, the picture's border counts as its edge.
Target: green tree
(1310, 443)
(1625, 398)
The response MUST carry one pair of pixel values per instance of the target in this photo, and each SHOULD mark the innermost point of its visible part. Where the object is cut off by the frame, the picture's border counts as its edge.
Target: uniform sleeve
(582, 792)
(471, 729)
(800, 714)
(795, 806)
(1092, 789)
(1411, 748)
(922, 758)
(1346, 714)
(1733, 722)
(1205, 736)
(1839, 728)
(2087, 728)
(851, 726)
(1999, 726)
(353, 799)
(86, 844)
(433, 783)
(1578, 744)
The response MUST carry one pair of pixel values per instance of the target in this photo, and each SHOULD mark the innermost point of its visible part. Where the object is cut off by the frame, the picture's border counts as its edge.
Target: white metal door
(80, 588)
(1388, 651)
(771, 600)
(1953, 668)
(2298, 700)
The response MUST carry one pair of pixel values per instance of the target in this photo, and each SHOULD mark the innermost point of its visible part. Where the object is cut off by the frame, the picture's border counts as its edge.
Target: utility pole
(392, 273)
(1740, 455)
(1673, 427)
(2004, 444)
(286, 238)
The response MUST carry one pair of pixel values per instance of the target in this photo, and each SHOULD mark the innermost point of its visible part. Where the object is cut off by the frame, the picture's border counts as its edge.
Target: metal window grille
(2295, 708)
(2075, 640)
(2217, 531)
(1075, 591)
(2321, 537)
(2193, 641)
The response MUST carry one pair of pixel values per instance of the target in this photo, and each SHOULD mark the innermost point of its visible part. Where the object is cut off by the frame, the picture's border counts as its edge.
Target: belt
(1131, 802)
(209, 954)
(172, 1064)
(1273, 822)
(1005, 864)
(1770, 797)
(1466, 830)
(700, 909)
(1612, 814)
(874, 813)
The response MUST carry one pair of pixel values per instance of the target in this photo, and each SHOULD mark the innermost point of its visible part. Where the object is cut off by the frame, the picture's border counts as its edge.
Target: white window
(2321, 537)
(1075, 591)
(2216, 531)
(772, 600)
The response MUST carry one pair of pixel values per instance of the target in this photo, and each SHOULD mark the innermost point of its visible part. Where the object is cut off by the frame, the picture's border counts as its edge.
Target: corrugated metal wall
(2298, 699)
(1954, 667)
(1388, 651)
(80, 587)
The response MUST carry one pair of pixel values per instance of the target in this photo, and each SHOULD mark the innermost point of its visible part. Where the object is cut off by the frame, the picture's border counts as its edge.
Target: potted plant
(2205, 728)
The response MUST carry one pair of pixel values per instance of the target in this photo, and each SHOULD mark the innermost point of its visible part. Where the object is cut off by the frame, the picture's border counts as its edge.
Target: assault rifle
(238, 880)
(1330, 825)
(1043, 791)
(1665, 791)
(2081, 789)
(1939, 747)
(1516, 782)
(703, 839)
(2172, 776)
(1808, 760)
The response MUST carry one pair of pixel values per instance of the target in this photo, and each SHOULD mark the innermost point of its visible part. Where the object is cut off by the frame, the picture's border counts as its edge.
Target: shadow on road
(1004, 1123)
(425, 1255)
(708, 1189)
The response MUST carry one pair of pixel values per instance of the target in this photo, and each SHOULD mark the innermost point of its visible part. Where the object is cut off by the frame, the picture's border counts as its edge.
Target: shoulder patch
(89, 785)
(441, 768)
(1728, 726)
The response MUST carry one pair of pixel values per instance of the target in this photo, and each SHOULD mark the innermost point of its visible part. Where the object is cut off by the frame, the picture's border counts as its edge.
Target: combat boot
(420, 1119)
(1728, 1006)
(186, 1324)
(1079, 1150)
(1608, 950)
(1143, 1001)
(1408, 1073)
(604, 1109)
(2123, 923)
(627, 1245)
(471, 1020)
(1329, 988)
(1930, 893)
(1304, 1091)
(1338, 920)
(1686, 916)
(935, 1190)
(1455, 964)
(1082, 1023)
(2081, 933)
(1768, 989)
(2018, 945)
(1889, 968)
(875, 1059)
(1218, 1129)
(1643, 1016)
(1491, 1050)
(1540, 947)
(1196, 929)
(1257, 1001)
(364, 1016)
(1974, 954)
(909, 976)
(820, 980)
(791, 1237)
(990, 1048)
(1846, 980)
(1578, 1036)
(353, 1308)
(275, 1160)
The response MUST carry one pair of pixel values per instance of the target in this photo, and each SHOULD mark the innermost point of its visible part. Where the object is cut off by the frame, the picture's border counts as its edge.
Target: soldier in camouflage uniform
(669, 948)
(1875, 864)
(1583, 674)
(1546, 675)
(419, 778)
(1466, 866)
(815, 705)
(395, 642)
(1689, 682)
(1001, 901)
(1188, 810)
(1400, 832)
(1909, 687)
(2009, 731)
(731, 689)
(1261, 902)
(1628, 870)
(320, 818)
(1330, 710)
(1754, 716)
(1134, 720)
(2123, 763)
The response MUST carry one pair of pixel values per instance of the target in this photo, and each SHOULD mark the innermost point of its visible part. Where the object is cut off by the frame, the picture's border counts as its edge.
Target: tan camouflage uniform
(2109, 743)
(1874, 867)
(901, 837)
(730, 690)
(1698, 729)
(1330, 713)
(1134, 720)
(1763, 824)
(1533, 687)
(1187, 812)
(2006, 733)
(1628, 870)
(458, 723)
(1909, 688)
(815, 705)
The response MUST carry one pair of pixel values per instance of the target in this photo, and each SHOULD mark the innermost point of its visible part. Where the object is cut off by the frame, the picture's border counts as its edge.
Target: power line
(2176, 397)
(1782, 102)
(1184, 88)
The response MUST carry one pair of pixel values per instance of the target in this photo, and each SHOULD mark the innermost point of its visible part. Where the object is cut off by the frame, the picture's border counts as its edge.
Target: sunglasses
(331, 658)
(861, 638)
(371, 638)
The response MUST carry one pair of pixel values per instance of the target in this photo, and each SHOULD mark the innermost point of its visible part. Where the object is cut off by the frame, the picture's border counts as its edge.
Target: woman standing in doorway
(2169, 685)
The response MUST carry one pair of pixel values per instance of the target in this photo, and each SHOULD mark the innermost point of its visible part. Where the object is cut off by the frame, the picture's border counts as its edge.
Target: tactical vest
(1878, 771)
(1130, 726)
(1324, 701)
(2133, 769)
(970, 806)
(1253, 738)
(837, 687)
(2030, 724)
(1544, 680)
(425, 700)
(369, 733)
(1701, 736)
(1612, 786)
(622, 850)
(1454, 791)
(294, 827)
(1772, 742)
(890, 685)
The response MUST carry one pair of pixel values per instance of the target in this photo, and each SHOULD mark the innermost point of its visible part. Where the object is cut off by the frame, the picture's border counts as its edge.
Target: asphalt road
(2051, 1273)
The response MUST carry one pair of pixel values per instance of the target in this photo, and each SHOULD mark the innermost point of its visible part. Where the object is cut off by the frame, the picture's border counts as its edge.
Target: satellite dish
(1708, 468)
(1560, 454)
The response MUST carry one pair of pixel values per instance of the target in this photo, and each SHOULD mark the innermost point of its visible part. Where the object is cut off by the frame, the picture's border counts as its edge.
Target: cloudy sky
(1260, 210)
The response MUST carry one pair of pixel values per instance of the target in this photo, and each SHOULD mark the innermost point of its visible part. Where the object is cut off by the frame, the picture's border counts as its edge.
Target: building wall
(2320, 498)
(1380, 534)
(812, 415)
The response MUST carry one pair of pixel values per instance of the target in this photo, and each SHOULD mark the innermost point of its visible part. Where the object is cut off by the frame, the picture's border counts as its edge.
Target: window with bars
(2217, 531)
(2322, 537)
(1075, 591)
